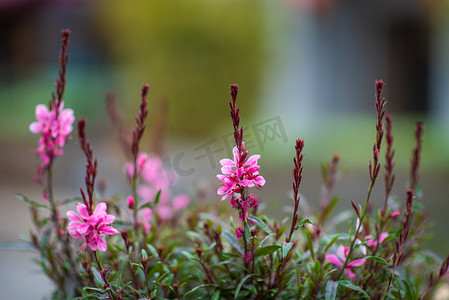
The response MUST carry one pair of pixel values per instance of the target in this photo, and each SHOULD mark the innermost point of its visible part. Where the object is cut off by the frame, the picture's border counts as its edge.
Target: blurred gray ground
(20, 277)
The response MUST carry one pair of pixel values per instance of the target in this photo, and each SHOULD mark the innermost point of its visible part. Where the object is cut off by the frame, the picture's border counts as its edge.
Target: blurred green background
(310, 66)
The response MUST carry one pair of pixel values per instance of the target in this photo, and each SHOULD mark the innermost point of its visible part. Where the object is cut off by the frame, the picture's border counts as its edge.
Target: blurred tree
(189, 52)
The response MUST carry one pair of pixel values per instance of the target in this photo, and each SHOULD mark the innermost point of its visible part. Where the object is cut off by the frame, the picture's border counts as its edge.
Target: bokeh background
(306, 68)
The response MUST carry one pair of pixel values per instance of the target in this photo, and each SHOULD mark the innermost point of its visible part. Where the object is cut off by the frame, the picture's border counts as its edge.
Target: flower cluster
(237, 174)
(54, 125)
(89, 227)
(155, 180)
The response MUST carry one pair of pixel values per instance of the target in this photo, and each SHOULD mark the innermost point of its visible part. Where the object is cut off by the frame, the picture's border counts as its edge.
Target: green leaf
(265, 239)
(340, 236)
(239, 286)
(152, 249)
(44, 242)
(146, 205)
(349, 285)
(281, 231)
(197, 288)
(153, 294)
(139, 265)
(232, 241)
(97, 277)
(303, 222)
(151, 204)
(403, 284)
(196, 236)
(286, 248)
(247, 234)
(261, 224)
(227, 255)
(30, 202)
(158, 196)
(267, 250)
(160, 278)
(309, 243)
(378, 259)
(123, 225)
(331, 290)
(330, 207)
(252, 289)
(188, 255)
(335, 238)
(216, 295)
(85, 289)
(143, 254)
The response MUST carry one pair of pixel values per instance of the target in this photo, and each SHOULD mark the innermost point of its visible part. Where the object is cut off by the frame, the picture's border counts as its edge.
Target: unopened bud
(85, 265)
(356, 208)
(130, 202)
(144, 258)
(199, 252)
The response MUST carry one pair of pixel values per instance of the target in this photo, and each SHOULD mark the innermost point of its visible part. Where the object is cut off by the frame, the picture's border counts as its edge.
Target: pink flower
(340, 258)
(141, 162)
(155, 178)
(54, 127)
(88, 227)
(167, 207)
(239, 232)
(180, 201)
(394, 214)
(372, 243)
(236, 175)
(242, 205)
(145, 214)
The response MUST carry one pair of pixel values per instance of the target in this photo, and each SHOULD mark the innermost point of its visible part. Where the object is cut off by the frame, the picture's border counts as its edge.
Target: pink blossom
(180, 201)
(372, 243)
(155, 178)
(394, 214)
(54, 127)
(145, 214)
(141, 161)
(340, 258)
(236, 174)
(243, 205)
(248, 257)
(239, 231)
(167, 206)
(89, 227)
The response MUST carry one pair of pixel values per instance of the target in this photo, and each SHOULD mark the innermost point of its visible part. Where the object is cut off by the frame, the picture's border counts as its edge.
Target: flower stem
(359, 227)
(105, 279)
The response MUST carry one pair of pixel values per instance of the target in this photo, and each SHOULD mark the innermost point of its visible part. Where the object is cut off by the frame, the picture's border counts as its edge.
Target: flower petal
(332, 258)
(82, 209)
(35, 127)
(356, 263)
(351, 274)
(73, 216)
(383, 236)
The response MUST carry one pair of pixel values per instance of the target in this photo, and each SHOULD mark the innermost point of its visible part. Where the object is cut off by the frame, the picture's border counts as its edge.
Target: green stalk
(362, 218)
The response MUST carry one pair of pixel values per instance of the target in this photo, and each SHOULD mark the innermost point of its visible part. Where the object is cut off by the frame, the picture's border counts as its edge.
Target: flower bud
(130, 202)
